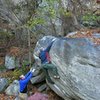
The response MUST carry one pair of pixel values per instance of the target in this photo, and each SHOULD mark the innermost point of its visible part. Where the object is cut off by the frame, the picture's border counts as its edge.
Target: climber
(23, 82)
(43, 54)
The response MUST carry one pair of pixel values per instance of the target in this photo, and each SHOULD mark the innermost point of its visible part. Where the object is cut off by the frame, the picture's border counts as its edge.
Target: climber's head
(22, 77)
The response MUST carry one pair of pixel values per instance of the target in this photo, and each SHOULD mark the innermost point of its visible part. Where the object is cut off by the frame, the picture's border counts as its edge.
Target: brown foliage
(87, 34)
(53, 96)
(1, 61)
(17, 52)
(5, 97)
(14, 51)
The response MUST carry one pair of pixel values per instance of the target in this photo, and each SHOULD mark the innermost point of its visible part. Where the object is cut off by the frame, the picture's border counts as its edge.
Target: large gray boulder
(78, 64)
(3, 84)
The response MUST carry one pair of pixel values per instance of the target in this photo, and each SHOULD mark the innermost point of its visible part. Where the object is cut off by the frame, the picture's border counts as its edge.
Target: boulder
(3, 84)
(38, 96)
(38, 78)
(10, 62)
(13, 89)
(78, 64)
(42, 87)
(36, 72)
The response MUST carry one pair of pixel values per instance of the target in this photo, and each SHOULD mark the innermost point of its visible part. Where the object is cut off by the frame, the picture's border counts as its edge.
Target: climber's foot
(56, 77)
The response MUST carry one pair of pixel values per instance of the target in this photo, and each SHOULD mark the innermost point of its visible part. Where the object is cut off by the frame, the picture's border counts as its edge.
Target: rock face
(3, 84)
(13, 89)
(38, 78)
(10, 62)
(78, 64)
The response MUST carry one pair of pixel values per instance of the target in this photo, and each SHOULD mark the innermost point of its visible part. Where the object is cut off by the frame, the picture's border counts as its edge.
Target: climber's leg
(47, 76)
(50, 66)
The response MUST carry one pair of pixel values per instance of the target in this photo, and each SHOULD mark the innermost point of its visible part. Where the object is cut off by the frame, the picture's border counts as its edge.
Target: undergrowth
(14, 75)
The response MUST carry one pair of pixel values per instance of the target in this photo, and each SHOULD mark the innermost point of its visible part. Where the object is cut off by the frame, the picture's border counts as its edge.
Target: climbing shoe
(56, 77)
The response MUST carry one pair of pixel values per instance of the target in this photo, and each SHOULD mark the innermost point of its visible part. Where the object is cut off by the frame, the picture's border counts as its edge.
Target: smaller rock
(3, 84)
(10, 62)
(42, 87)
(38, 78)
(38, 96)
(17, 98)
(13, 89)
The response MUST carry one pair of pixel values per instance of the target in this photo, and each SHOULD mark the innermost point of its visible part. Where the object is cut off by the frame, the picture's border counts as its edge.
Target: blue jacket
(42, 54)
(23, 83)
